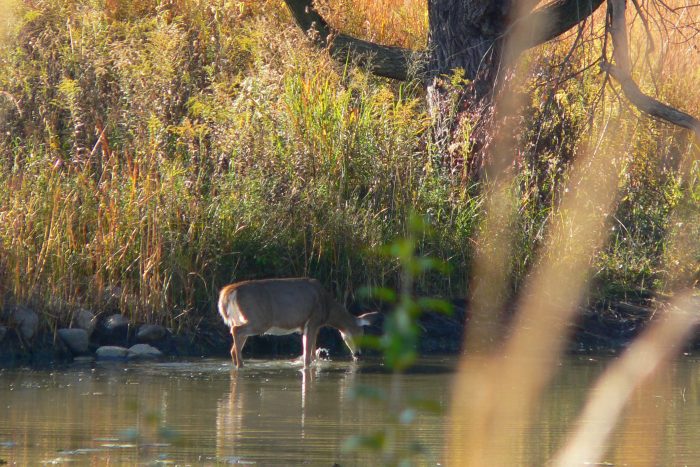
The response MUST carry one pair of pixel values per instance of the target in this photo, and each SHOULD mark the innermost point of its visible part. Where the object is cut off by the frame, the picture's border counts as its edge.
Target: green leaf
(402, 248)
(418, 224)
(368, 342)
(427, 405)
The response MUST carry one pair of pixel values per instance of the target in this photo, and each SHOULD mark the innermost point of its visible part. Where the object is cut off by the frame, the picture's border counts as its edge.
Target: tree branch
(552, 20)
(559, 16)
(381, 60)
(622, 72)
(648, 104)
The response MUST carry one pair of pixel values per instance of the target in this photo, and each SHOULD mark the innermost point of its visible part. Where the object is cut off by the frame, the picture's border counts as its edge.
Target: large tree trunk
(467, 35)
(465, 47)
(482, 39)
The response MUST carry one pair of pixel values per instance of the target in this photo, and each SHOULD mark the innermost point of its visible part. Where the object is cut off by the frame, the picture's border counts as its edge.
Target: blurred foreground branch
(614, 388)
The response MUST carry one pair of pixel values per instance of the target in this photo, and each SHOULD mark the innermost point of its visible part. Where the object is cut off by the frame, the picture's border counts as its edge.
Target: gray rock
(3, 331)
(111, 352)
(151, 333)
(142, 351)
(75, 339)
(25, 320)
(84, 319)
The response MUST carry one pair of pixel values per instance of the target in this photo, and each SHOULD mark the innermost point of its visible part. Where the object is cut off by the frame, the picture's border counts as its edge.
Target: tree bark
(466, 34)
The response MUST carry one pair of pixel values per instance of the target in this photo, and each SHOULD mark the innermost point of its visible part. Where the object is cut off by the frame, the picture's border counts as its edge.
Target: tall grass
(162, 150)
(153, 151)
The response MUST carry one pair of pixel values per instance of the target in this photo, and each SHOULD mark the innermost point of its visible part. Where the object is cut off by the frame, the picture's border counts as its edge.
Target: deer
(285, 306)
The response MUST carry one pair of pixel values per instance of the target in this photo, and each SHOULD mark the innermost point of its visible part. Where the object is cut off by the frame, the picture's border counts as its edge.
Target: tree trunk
(465, 47)
(472, 36)
(467, 35)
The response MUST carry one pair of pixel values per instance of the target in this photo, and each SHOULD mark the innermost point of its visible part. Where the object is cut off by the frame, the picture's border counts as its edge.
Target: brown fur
(282, 306)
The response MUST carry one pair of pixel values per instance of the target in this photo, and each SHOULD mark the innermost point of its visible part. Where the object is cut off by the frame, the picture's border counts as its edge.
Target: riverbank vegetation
(154, 151)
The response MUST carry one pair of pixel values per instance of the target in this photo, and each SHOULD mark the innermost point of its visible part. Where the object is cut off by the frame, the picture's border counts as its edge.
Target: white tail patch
(229, 311)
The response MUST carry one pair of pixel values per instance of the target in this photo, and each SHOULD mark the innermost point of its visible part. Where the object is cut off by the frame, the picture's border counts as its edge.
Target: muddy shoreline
(602, 329)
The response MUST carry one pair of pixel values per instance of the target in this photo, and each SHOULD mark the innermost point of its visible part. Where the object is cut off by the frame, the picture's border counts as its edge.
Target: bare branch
(382, 60)
(559, 16)
(642, 17)
(556, 18)
(622, 72)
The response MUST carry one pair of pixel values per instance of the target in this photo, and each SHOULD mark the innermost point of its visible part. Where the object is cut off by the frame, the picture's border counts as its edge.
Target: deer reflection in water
(296, 407)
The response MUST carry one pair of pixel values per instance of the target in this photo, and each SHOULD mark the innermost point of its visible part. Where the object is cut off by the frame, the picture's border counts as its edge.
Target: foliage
(398, 345)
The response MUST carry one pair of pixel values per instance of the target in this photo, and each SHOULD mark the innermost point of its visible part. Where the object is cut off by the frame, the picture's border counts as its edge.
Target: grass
(153, 152)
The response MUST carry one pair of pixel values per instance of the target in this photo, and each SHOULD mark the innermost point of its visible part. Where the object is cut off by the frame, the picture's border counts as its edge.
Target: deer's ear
(368, 318)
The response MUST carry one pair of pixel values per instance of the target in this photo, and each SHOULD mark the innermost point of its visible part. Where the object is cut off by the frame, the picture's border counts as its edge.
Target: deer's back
(283, 304)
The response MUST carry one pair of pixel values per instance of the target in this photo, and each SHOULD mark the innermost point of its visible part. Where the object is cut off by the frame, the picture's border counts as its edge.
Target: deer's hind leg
(240, 335)
(234, 357)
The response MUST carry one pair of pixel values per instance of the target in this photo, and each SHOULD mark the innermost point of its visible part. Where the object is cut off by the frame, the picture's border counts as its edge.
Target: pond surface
(202, 412)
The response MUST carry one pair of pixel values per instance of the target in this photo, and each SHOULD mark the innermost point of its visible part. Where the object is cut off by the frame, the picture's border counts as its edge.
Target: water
(270, 413)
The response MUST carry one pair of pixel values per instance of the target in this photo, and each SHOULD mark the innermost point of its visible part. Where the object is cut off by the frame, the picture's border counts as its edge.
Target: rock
(25, 320)
(84, 319)
(151, 333)
(3, 331)
(141, 351)
(76, 339)
(111, 352)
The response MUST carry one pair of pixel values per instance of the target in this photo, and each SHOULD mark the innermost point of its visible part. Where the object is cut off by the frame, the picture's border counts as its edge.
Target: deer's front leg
(309, 341)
